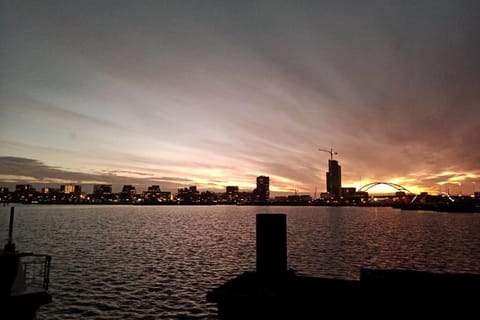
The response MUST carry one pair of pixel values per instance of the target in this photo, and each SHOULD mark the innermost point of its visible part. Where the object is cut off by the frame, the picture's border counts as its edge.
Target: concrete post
(271, 244)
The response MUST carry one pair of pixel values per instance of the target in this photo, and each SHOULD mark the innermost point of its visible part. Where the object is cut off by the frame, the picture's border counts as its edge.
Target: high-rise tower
(262, 192)
(334, 178)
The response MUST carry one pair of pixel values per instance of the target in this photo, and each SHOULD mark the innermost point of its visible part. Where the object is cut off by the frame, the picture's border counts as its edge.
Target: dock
(272, 291)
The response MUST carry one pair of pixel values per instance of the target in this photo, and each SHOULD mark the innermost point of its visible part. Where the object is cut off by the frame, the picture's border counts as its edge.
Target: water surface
(158, 262)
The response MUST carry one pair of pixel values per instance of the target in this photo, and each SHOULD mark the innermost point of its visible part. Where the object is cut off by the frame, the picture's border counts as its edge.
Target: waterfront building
(348, 190)
(155, 195)
(231, 189)
(209, 197)
(69, 188)
(188, 195)
(350, 195)
(262, 192)
(231, 193)
(128, 193)
(102, 188)
(325, 195)
(293, 199)
(245, 197)
(23, 187)
(165, 196)
(154, 188)
(129, 189)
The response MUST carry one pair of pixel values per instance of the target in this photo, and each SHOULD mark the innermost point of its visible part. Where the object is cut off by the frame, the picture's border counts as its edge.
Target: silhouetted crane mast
(329, 151)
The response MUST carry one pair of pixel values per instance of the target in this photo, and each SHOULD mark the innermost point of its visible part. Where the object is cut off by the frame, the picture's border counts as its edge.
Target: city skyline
(177, 94)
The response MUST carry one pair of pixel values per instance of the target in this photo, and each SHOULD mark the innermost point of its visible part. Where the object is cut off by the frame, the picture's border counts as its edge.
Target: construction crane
(329, 151)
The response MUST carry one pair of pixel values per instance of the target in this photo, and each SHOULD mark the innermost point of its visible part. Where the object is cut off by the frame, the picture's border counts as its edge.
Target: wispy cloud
(215, 92)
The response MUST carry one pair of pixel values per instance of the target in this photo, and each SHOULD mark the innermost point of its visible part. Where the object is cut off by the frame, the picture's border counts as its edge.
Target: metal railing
(36, 269)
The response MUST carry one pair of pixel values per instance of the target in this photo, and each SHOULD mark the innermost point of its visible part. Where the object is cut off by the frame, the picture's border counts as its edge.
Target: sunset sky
(215, 93)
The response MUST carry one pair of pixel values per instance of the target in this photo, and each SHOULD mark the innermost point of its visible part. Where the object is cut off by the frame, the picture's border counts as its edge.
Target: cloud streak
(224, 92)
(19, 170)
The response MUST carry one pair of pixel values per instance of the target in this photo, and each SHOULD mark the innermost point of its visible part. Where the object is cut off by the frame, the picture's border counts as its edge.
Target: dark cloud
(31, 170)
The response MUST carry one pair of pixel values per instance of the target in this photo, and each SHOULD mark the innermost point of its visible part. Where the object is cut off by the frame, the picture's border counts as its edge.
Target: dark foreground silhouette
(272, 291)
(24, 279)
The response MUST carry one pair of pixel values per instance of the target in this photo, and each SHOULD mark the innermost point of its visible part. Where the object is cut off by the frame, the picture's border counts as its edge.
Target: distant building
(231, 189)
(50, 190)
(129, 189)
(262, 192)
(245, 197)
(70, 188)
(154, 188)
(128, 193)
(299, 199)
(188, 195)
(208, 197)
(4, 194)
(155, 195)
(165, 195)
(352, 196)
(23, 187)
(348, 190)
(280, 199)
(231, 193)
(326, 195)
(102, 188)
(334, 179)
(294, 199)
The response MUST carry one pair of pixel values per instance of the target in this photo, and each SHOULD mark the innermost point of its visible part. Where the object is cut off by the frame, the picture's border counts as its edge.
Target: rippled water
(129, 262)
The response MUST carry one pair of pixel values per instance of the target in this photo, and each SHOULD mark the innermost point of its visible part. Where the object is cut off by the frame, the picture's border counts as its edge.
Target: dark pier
(273, 291)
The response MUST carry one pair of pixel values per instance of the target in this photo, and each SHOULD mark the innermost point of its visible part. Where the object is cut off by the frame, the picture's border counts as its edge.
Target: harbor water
(158, 262)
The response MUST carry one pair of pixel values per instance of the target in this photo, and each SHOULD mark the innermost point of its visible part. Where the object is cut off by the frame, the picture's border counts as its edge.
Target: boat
(24, 280)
